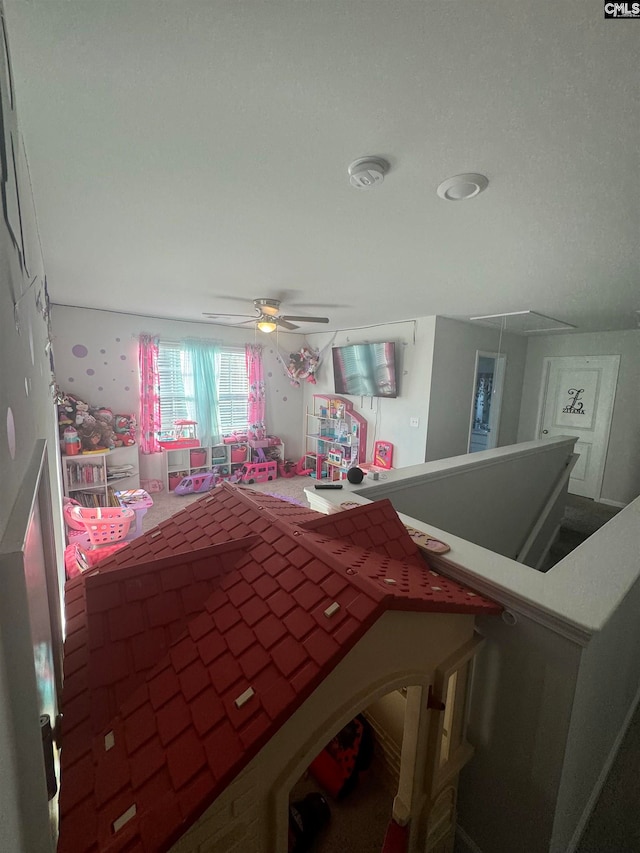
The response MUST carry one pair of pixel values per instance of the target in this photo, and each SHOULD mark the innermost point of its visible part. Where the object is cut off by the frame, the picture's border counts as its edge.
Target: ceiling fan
(267, 317)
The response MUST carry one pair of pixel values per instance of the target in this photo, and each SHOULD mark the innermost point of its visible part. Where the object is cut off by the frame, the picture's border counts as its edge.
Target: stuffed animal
(125, 430)
(302, 366)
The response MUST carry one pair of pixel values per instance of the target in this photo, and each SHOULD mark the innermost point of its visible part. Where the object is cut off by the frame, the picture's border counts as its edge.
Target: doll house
(209, 661)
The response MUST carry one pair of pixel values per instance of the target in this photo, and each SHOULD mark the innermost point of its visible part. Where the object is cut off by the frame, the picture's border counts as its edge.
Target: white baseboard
(602, 778)
(469, 845)
(611, 503)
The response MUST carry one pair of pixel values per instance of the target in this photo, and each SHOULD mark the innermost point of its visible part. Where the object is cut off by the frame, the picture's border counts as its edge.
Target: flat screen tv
(365, 370)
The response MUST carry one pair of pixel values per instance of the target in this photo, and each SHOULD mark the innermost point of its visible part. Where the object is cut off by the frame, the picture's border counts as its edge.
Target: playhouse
(209, 661)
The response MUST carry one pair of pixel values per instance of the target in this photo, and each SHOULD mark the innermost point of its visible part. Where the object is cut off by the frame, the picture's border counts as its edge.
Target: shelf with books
(96, 473)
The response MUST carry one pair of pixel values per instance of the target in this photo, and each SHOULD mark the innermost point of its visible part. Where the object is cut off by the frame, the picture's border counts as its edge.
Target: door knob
(545, 431)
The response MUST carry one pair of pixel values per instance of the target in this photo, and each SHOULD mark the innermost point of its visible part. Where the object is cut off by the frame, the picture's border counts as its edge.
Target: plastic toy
(183, 434)
(125, 429)
(78, 559)
(196, 483)
(104, 524)
(258, 472)
(383, 454)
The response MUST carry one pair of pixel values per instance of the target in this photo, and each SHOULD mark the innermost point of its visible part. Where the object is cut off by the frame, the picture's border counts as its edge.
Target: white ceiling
(183, 153)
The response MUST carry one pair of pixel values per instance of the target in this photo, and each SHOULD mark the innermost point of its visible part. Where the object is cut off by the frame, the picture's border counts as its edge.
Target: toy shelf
(227, 458)
(96, 472)
(335, 437)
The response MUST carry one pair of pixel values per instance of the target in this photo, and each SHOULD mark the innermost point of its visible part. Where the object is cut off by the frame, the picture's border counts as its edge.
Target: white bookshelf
(95, 472)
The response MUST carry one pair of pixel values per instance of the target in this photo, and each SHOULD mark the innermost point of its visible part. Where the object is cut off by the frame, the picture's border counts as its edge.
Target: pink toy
(383, 454)
(182, 435)
(258, 472)
(104, 524)
(78, 559)
(196, 483)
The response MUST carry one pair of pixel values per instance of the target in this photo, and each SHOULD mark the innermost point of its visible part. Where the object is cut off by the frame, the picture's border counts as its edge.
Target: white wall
(524, 683)
(607, 691)
(480, 497)
(96, 355)
(26, 416)
(388, 419)
(621, 482)
(453, 384)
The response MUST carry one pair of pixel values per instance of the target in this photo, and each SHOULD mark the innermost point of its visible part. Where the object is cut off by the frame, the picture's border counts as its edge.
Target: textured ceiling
(190, 156)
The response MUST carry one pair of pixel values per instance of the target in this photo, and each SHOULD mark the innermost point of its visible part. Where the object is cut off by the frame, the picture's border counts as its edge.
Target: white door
(577, 399)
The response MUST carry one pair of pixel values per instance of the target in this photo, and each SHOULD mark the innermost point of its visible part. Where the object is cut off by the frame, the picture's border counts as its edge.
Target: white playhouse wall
(252, 813)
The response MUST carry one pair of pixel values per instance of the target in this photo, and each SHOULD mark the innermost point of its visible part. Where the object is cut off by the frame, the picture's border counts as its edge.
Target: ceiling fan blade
(307, 319)
(247, 316)
(283, 322)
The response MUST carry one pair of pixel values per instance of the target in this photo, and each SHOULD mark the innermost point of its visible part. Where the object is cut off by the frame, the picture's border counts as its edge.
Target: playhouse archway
(410, 795)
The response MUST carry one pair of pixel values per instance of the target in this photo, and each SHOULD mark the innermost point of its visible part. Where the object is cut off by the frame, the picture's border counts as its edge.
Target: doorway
(486, 401)
(577, 397)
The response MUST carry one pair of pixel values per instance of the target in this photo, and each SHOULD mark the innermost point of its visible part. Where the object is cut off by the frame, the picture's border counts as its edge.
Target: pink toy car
(258, 472)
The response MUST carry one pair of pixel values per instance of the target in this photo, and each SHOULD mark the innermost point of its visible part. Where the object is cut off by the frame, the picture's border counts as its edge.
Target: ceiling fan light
(267, 326)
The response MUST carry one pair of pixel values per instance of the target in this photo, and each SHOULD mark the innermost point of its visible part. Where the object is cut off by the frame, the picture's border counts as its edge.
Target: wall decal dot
(126, 388)
(269, 373)
(106, 362)
(284, 399)
(80, 351)
(103, 351)
(71, 379)
(11, 434)
(100, 388)
(123, 358)
(91, 372)
(118, 340)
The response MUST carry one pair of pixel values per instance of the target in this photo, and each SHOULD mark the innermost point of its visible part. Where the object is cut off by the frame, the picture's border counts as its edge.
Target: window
(176, 387)
(233, 391)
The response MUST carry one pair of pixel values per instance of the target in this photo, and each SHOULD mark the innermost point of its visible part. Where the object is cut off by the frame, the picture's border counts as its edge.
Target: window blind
(233, 390)
(176, 384)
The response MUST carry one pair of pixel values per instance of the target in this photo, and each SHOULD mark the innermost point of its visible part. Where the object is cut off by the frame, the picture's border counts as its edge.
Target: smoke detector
(367, 172)
(461, 187)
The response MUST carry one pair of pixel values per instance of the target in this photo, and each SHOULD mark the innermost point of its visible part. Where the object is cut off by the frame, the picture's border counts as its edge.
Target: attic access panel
(523, 322)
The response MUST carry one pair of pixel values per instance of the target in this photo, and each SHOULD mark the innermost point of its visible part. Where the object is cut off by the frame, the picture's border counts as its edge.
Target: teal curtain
(201, 381)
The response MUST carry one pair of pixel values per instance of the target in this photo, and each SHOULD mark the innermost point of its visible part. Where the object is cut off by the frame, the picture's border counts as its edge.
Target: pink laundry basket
(104, 524)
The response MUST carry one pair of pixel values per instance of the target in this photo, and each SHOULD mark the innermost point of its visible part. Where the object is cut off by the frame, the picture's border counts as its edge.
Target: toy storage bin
(239, 453)
(175, 478)
(104, 524)
(197, 458)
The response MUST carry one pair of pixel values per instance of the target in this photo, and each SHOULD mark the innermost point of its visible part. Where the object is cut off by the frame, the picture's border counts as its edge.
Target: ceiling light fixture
(367, 172)
(461, 187)
(266, 325)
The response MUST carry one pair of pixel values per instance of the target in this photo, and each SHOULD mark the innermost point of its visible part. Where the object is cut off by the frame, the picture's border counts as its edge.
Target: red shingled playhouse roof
(237, 591)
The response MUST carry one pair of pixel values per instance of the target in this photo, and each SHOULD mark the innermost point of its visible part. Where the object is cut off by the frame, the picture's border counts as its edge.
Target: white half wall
(621, 483)
(492, 498)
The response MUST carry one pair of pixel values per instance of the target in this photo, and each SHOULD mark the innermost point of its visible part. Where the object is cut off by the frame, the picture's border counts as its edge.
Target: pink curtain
(149, 394)
(256, 399)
